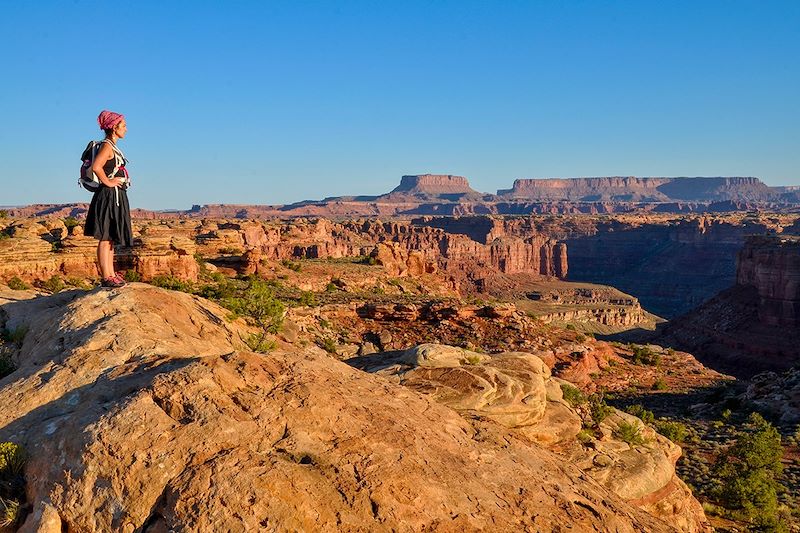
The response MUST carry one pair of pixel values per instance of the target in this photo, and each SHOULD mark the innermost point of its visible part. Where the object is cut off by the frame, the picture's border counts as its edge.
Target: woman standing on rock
(109, 216)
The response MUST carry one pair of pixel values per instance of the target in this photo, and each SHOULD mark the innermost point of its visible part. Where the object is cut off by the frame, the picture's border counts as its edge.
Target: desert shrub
(673, 430)
(585, 436)
(132, 276)
(259, 343)
(9, 512)
(56, 246)
(629, 432)
(580, 338)
(327, 344)
(17, 284)
(258, 305)
(172, 283)
(472, 359)
(643, 355)
(572, 395)
(746, 475)
(571, 327)
(308, 299)
(76, 282)
(16, 335)
(296, 266)
(7, 365)
(366, 260)
(639, 411)
(659, 384)
(331, 287)
(12, 484)
(599, 408)
(3, 213)
(53, 285)
(725, 414)
(222, 289)
(12, 459)
(71, 222)
(231, 250)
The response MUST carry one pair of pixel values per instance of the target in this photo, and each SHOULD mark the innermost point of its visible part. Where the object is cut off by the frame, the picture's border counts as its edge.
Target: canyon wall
(752, 326)
(772, 266)
(38, 249)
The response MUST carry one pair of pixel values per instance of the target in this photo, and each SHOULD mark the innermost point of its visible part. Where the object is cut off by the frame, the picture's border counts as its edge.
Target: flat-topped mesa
(635, 189)
(433, 184)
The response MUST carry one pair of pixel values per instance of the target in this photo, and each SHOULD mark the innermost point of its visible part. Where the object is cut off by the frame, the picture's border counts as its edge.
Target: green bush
(659, 384)
(132, 276)
(12, 484)
(643, 355)
(12, 459)
(292, 265)
(259, 343)
(580, 338)
(331, 287)
(585, 436)
(3, 213)
(258, 305)
(71, 222)
(172, 283)
(572, 395)
(629, 432)
(7, 365)
(639, 411)
(599, 408)
(674, 431)
(53, 285)
(746, 475)
(17, 284)
(308, 299)
(17, 335)
(231, 250)
(327, 344)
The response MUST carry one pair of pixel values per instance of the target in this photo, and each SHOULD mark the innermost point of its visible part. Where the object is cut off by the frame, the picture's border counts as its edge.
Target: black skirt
(109, 216)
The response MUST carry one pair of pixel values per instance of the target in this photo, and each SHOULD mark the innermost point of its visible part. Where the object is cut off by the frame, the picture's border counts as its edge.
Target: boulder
(140, 411)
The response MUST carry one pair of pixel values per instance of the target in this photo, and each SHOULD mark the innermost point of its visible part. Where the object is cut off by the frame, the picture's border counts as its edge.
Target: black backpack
(87, 179)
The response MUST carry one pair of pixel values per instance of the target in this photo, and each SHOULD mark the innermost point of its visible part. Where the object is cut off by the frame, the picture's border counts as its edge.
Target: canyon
(489, 326)
(753, 325)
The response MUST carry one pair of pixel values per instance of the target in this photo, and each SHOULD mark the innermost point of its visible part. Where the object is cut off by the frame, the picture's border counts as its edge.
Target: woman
(109, 217)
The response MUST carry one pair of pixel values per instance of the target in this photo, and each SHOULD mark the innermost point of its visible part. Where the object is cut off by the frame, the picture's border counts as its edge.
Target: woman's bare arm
(104, 154)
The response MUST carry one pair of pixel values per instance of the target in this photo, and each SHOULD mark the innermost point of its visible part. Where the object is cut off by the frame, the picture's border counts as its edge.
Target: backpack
(88, 179)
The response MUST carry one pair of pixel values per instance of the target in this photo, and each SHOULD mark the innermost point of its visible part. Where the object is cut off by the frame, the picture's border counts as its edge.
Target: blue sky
(275, 102)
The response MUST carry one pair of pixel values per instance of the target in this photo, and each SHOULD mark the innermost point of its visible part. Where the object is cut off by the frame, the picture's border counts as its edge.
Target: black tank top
(110, 164)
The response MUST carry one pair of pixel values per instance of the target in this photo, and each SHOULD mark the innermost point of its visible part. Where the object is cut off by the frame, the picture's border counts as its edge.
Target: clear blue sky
(275, 102)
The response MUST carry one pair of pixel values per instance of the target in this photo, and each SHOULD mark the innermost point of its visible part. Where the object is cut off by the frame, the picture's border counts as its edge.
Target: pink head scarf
(109, 119)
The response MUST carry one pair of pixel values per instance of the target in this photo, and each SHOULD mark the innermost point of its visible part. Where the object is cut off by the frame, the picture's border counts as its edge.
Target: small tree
(746, 475)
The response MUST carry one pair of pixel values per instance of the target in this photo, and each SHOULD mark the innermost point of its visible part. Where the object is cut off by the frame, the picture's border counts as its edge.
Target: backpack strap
(119, 157)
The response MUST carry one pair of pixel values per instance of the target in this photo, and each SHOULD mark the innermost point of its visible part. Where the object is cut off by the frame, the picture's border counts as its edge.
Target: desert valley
(589, 354)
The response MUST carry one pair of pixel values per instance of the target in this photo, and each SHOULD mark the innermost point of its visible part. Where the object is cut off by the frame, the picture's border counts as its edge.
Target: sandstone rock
(139, 413)
(516, 390)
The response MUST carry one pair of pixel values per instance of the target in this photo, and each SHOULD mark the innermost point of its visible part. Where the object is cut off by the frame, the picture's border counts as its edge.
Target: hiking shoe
(112, 283)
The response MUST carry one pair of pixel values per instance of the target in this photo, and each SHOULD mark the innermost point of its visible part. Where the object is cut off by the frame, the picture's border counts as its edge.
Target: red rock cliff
(772, 265)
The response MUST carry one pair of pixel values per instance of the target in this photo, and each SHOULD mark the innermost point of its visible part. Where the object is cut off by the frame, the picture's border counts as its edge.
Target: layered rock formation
(139, 412)
(633, 189)
(516, 390)
(433, 186)
(38, 250)
(752, 326)
(772, 266)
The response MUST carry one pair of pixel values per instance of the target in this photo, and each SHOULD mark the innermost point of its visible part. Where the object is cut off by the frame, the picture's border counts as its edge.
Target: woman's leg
(105, 258)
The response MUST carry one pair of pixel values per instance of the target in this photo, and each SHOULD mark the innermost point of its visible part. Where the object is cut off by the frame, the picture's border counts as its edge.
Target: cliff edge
(139, 411)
